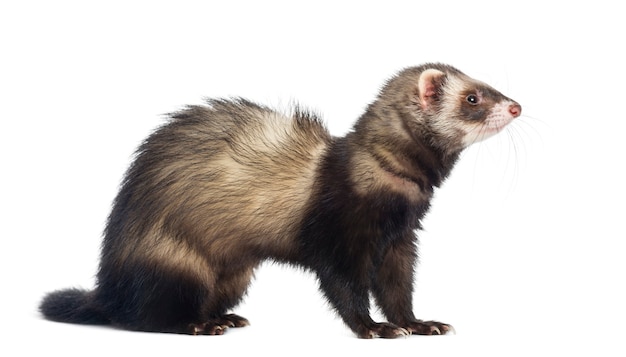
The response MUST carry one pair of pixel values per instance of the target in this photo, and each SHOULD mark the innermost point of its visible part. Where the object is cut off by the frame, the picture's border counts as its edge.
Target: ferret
(222, 187)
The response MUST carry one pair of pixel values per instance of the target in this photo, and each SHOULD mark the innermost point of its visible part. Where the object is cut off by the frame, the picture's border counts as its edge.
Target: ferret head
(455, 109)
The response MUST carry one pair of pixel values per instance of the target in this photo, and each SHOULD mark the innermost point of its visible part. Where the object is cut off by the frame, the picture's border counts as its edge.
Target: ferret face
(462, 109)
(484, 112)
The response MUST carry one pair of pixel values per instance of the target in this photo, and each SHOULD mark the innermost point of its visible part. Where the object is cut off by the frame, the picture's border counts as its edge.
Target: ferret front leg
(393, 290)
(351, 301)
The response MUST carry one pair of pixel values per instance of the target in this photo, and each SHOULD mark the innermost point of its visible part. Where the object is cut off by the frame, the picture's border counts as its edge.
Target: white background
(523, 248)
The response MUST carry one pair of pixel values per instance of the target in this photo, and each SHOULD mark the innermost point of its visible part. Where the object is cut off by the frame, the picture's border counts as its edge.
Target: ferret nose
(515, 110)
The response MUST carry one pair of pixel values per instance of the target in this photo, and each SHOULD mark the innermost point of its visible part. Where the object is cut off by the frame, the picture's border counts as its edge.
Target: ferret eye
(472, 99)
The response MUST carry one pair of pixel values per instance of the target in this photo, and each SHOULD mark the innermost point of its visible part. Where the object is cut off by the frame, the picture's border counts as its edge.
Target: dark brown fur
(221, 188)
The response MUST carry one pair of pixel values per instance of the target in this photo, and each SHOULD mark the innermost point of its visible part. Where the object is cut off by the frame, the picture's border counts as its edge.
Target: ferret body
(223, 187)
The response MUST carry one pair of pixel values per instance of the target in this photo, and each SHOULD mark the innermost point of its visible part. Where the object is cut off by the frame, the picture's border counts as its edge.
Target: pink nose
(515, 110)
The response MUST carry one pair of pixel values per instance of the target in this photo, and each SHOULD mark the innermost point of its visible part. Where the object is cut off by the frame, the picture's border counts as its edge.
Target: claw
(403, 332)
(383, 330)
(217, 326)
(451, 330)
(420, 327)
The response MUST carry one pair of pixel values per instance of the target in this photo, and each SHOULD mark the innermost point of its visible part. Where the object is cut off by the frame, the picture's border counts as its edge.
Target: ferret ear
(428, 87)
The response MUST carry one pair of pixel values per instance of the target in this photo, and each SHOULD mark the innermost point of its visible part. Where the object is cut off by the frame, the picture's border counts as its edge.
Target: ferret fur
(221, 188)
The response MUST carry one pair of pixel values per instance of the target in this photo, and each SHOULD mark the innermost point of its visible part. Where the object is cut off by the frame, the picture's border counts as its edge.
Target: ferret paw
(218, 325)
(429, 328)
(233, 320)
(384, 330)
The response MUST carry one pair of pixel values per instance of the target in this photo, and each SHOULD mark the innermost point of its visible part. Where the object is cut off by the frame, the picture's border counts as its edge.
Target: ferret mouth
(487, 129)
(496, 125)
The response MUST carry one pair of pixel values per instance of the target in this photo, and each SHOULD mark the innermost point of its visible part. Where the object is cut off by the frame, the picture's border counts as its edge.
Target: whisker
(532, 132)
(511, 132)
(482, 148)
(479, 146)
(481, 132)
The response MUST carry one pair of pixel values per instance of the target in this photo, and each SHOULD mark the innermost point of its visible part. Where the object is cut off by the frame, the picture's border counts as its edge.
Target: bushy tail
(73, 306)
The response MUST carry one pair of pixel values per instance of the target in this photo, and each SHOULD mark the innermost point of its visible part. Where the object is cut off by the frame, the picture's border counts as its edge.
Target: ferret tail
(73, 306)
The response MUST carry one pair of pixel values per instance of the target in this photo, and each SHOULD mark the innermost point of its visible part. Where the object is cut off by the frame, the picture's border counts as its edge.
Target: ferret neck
(401, 152)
